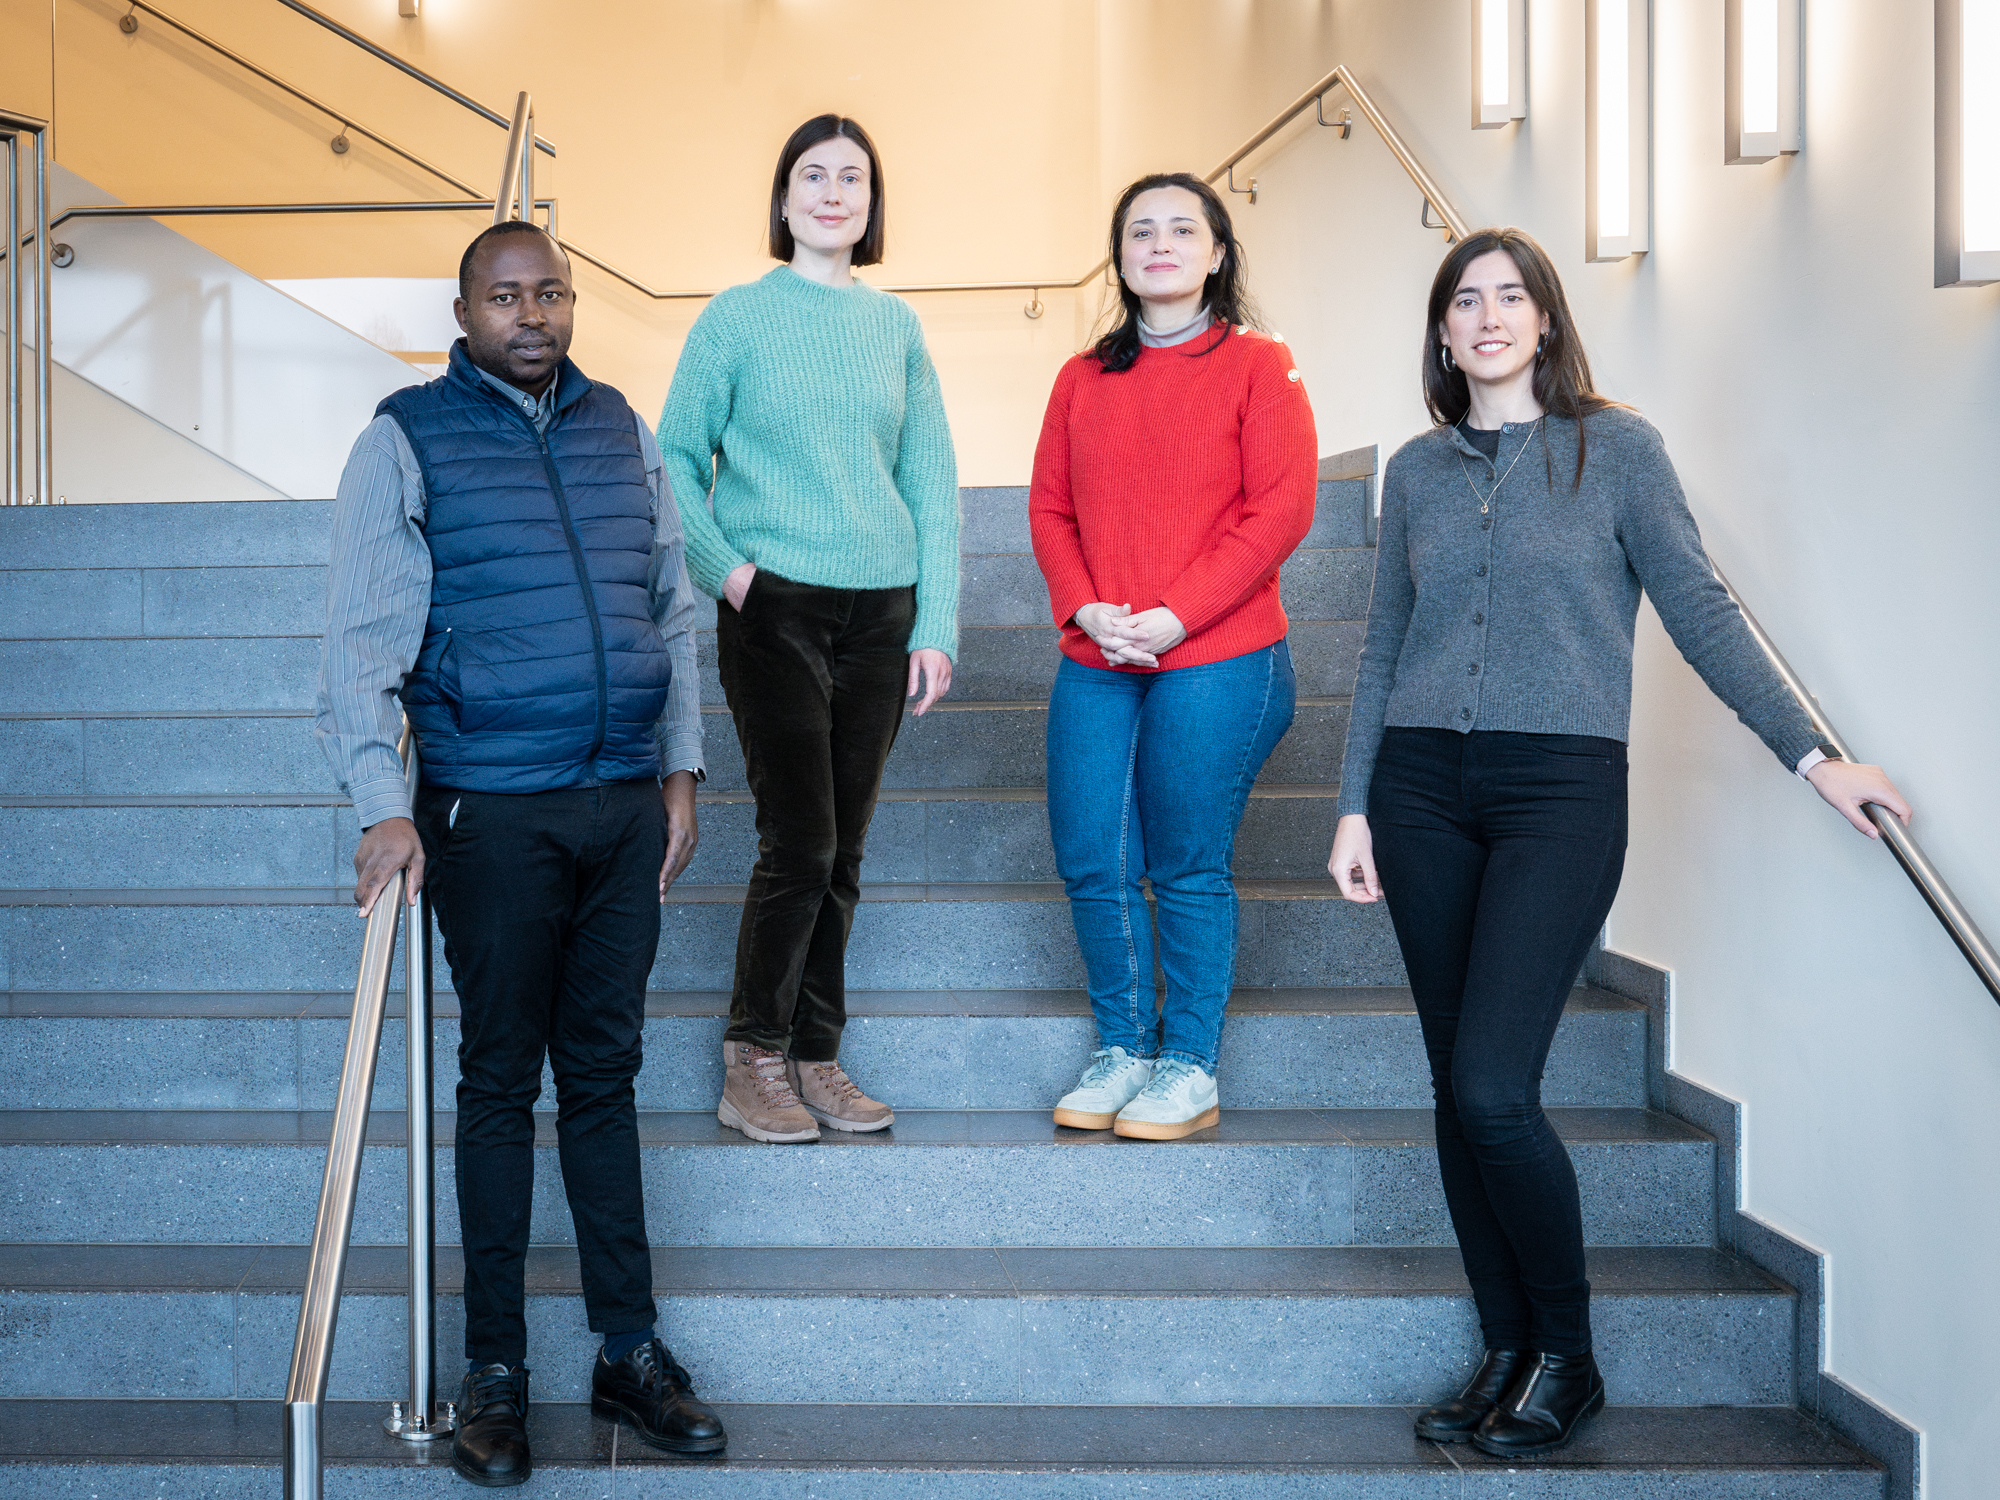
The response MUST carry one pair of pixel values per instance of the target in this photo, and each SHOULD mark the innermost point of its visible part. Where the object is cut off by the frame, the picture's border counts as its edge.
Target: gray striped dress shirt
(378, 598)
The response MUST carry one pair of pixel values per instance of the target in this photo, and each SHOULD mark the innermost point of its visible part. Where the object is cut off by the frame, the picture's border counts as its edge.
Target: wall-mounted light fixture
(1499, 62)
(407, 9)
(1968, 142)
(1761, 115)
(1618, 128)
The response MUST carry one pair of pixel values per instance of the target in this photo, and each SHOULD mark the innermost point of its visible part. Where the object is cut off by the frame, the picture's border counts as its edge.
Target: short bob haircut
(825, 128)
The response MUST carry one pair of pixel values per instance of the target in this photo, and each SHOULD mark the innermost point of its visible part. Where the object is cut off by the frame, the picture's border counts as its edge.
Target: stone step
(1299, 1327)
(906, 937)
(957, 744)
(297, 533)
(969, 1049)
(944, 834)
(229, 1450)
(936, 1179)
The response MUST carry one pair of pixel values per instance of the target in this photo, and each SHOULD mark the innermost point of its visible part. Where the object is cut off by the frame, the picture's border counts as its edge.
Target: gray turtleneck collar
(1166, 338)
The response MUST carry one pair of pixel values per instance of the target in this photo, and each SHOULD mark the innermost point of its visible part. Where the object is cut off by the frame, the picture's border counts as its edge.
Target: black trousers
(815, 680)
(1499, 856)
(549, 908)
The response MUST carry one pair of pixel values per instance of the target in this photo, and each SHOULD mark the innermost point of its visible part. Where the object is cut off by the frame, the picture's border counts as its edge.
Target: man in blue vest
(507, 562)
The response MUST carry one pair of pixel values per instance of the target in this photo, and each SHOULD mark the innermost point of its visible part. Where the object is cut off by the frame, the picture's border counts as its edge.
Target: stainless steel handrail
(1340, 77)
(517, 168)
(347, 121)
(1957, 921)
(13, 126)
(184, 210)
(319, 1308)
(407, 68)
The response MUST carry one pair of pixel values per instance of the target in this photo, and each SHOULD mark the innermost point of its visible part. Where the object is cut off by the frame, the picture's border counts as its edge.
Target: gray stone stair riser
(1658, 1349)
(1268, 1061)
(957, 746)
(1008, 747)
(296, 533)
(53, 604)
(1017, 663)
(869, 1193)
(967, 838)
(1082, 1477)
(896, 945)
(996, 519)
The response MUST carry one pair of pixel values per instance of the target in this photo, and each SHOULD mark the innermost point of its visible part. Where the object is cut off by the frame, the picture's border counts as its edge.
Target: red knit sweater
(1184, 481)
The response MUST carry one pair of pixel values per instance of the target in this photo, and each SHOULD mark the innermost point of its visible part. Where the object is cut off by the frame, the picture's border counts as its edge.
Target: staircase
(973, 1304)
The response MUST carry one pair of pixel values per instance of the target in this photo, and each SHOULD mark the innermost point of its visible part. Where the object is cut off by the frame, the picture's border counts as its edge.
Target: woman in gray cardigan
(1485, 774)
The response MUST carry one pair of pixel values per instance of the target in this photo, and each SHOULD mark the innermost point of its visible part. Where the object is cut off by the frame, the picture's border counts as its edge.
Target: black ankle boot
(649, 1389)
(1544, 1409)
(1455, 1421)
(490, 1445)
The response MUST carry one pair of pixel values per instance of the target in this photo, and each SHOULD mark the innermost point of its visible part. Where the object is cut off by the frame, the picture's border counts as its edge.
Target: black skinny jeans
(549, 905)
(1499, 855)
(815, 680)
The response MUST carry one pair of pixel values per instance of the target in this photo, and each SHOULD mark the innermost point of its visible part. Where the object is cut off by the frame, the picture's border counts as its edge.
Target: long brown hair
(1224, 293)
(1562, 370)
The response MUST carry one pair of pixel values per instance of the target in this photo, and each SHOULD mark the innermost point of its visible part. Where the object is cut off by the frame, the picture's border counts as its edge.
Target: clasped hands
(1129, 640)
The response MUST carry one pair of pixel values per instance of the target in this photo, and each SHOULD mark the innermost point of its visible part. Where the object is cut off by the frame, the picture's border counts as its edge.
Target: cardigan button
(1465, 713)
(1479, 617)
(1479, 570)
(1472, 669)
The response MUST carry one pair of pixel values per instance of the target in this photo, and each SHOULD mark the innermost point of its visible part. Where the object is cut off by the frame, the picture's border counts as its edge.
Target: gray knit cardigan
(1521, 618)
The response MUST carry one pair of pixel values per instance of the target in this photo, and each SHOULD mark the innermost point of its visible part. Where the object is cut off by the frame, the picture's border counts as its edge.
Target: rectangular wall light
(1499, 62)
(1968, 142)
(1762, 60)
(1618, 128)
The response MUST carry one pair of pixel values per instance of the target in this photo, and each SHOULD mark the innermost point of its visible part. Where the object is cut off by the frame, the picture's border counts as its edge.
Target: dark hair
(1562, 370)
(505, 226)
(1224, 293)
(798, 143)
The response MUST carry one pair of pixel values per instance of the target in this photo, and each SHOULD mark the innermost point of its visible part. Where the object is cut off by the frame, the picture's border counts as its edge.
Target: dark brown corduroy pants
(815, 680)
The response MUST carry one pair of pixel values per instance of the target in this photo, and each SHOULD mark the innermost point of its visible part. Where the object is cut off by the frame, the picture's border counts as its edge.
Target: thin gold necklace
(1494, 492)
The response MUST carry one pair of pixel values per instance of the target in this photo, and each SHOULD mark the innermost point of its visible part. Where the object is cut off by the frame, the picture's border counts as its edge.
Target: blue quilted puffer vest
(541, 666)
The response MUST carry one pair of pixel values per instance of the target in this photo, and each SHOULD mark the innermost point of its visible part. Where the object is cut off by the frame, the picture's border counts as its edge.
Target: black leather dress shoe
(1543, 1411)
(1455, 1421)
(490, 1445)
(649, 1390)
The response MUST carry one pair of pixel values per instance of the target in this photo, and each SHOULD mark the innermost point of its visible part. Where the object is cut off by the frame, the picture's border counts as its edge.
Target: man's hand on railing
(1847, 786)
(677, 794)
(389, 846)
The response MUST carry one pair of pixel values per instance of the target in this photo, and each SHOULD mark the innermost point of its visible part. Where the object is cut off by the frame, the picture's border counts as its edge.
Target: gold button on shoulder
(1242, 327)
(1277, 338)
(1291, 374)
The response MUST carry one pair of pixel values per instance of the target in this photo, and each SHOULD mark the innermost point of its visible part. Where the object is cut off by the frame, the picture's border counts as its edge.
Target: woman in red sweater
(1176, 470)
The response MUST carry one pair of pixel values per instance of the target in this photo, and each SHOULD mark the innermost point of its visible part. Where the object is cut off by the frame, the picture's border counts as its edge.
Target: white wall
(1833, 418)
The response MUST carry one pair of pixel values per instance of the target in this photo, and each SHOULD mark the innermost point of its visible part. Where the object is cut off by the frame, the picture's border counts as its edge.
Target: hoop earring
(1540, 344)
(1444, 358)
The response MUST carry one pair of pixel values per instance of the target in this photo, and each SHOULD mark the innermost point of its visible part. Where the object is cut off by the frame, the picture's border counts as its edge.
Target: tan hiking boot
(757, 1098)
(832, 1098)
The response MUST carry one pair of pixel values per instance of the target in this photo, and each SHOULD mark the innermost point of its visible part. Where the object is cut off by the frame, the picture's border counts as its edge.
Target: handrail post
(326, 1268)
(45, 458)
(14, 489)
(510, 165)
(423, 1419)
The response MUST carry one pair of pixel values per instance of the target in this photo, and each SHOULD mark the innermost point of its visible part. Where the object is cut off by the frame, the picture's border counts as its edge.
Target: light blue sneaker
(1111, 1082)
(1178, 1100)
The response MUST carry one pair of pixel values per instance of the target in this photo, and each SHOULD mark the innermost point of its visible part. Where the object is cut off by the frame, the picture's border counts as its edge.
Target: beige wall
(668, 117)
(1831, 414)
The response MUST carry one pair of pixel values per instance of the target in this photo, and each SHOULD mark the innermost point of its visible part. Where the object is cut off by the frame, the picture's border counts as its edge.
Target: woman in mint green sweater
(805, 411)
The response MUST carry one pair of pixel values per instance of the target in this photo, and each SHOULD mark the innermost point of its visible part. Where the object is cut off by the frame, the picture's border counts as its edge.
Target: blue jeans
(1148, 775)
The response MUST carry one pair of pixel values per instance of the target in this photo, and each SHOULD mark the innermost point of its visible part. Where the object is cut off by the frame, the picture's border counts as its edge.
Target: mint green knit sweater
(812, 417)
